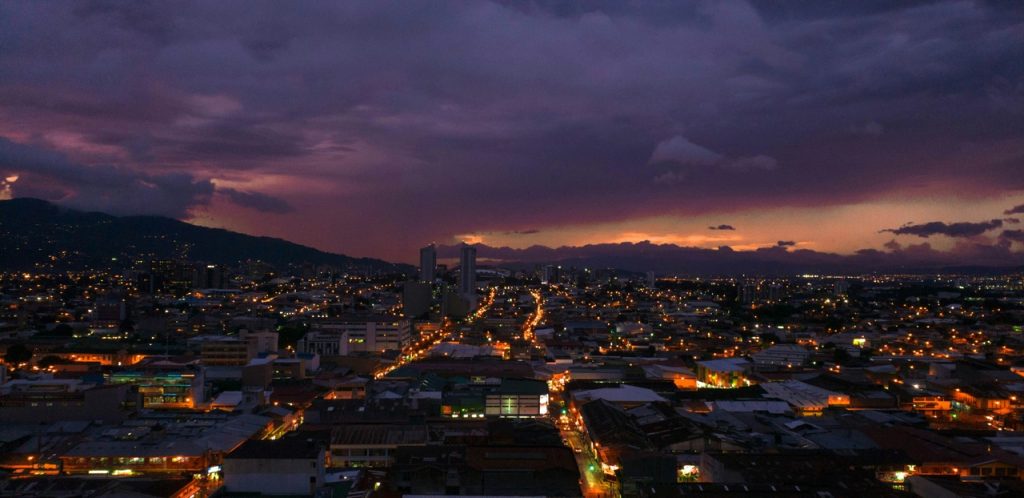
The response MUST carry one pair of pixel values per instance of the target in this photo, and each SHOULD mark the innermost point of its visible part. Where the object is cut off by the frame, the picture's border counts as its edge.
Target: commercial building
(723, 373)
(164, 384)
(504, 398)
(191, 446)
(518, 398)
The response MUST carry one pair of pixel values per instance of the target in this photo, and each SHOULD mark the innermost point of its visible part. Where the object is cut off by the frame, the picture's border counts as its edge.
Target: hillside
(37, 234)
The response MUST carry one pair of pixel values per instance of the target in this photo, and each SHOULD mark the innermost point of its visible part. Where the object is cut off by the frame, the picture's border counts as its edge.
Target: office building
(467, 271)
(224, 351)
(428, 263)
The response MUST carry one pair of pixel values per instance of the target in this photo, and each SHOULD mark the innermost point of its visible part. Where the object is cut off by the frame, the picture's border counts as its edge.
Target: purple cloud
(256, 200)
(722, 227)
(682, 151)
(631, 110)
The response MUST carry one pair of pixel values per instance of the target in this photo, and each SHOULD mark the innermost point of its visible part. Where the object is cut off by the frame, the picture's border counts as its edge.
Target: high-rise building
(208, 277)
(467, 270)
(428, 263)
(840, 288)
(747, 292)
(551, 274)
(109, 310)
(168, 275)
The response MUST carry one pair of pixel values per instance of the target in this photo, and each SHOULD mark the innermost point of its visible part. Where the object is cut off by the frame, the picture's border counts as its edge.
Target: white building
(623, 394)
(356, 333)
(804, 397)
(265, 341)
(781, 356)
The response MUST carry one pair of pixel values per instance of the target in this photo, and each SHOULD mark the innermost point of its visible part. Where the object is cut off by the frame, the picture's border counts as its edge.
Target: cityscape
(513, 249)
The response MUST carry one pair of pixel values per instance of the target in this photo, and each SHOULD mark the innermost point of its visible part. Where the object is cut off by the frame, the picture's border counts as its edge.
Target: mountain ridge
(37, 234)
(778, 260)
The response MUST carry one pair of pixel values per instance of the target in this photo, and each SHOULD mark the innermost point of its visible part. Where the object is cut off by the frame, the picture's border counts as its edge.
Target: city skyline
(373, 129)
(511, 248)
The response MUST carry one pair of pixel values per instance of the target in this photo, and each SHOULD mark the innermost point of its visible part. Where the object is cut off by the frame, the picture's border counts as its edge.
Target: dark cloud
(530, 231)
(52, 176)
(722, 227)
(785, 243)
(256, 200)
(1015, 210)
(959, 229)
(1014, 235)
(679, 151)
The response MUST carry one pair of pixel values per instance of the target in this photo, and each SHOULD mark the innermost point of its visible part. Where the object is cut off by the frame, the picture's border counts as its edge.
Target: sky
(373, 128)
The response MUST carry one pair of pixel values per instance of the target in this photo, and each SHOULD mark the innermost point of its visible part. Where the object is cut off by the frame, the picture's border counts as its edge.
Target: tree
(62, 330)
(289, 333)
(17, 354)
(49, 360)
(841, 356)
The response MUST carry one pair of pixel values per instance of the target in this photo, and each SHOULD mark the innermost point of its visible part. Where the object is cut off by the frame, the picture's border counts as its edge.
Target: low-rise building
(723, 373)
(373, 445)
(292, 465)
(51, 400)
